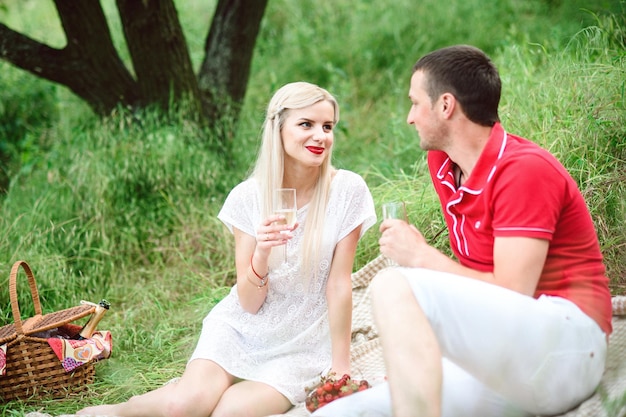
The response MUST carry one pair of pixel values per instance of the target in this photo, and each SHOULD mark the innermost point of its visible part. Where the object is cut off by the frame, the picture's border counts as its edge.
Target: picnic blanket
(609, 399)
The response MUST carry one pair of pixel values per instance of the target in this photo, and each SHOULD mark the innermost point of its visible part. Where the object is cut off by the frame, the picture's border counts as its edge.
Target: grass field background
(125, 208)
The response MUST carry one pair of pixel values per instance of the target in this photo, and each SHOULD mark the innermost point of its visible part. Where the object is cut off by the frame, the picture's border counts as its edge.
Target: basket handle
(13, 293)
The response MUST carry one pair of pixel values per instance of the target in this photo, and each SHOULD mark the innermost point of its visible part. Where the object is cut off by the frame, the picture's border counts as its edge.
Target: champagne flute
(394, 210)
(285, 205)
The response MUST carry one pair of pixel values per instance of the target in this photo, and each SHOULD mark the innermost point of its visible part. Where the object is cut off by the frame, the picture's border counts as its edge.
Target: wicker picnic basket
(32, 368)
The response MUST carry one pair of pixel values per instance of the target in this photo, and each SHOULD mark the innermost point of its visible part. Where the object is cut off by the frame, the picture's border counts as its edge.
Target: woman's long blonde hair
(269, 167)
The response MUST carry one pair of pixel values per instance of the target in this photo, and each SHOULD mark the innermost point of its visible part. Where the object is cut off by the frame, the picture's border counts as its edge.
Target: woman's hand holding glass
(285, 205)
(274, 232)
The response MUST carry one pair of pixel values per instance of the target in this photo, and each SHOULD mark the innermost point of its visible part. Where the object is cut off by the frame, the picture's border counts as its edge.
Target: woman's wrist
(263, 279)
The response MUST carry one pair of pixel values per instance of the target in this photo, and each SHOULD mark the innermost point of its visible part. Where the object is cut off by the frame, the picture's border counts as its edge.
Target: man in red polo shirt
(517, 324)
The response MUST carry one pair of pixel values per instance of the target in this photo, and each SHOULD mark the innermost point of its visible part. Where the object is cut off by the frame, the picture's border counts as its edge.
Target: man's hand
(518, 262)
(404, 244)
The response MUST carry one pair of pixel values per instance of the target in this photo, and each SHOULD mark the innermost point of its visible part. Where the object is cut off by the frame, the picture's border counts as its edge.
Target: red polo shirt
(519, 189)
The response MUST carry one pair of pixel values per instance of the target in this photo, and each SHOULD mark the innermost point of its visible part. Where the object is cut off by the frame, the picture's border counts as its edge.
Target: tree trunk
(229, 49)
(88, 65)
(91, 67)
(159, 52)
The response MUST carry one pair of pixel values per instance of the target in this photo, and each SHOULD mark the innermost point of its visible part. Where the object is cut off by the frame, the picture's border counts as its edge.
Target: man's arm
(518, 261)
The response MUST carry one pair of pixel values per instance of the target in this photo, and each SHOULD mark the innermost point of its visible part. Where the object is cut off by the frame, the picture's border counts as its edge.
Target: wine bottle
(90, 327)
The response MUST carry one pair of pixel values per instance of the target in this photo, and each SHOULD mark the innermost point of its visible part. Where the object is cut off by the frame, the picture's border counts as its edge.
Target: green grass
(125, 208)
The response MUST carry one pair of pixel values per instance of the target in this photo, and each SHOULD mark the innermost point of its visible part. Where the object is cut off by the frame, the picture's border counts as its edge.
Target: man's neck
(467, 145)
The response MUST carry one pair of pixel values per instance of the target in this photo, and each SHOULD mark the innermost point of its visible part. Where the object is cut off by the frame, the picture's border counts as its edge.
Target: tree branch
(99, 75)
(30, 55)
(88, 65)
(229, 50)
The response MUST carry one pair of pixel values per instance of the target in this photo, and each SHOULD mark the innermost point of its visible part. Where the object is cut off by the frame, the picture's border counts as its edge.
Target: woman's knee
(243, 408)
(229, 410)
(251, 399)
(184, 406)
(185, 402)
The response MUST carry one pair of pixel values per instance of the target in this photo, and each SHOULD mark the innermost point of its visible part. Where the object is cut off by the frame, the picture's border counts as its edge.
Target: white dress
(287, 343)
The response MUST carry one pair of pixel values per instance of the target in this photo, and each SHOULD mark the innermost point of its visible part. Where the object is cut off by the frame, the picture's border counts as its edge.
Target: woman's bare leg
(251, 399)
(196, 393)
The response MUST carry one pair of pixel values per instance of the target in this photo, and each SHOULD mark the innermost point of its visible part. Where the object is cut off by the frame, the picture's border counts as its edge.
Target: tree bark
(159, 52)
(91, 67)
(88, 64)
(229, 50)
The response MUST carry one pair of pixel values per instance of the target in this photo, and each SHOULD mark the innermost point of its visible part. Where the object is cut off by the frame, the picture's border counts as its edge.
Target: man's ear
(448, 104)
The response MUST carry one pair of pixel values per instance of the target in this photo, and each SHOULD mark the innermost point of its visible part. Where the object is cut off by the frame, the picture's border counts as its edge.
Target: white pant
(505, 354)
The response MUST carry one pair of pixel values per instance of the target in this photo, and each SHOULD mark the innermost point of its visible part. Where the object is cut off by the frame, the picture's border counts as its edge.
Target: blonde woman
(288, 318)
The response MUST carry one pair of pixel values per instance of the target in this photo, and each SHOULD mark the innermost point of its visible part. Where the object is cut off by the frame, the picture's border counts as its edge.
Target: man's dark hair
(467, 73)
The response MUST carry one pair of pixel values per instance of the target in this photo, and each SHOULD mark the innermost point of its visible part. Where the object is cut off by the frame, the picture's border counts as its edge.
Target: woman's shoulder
(349, 183)
(247, 186)
(347, 177)
(244, 193)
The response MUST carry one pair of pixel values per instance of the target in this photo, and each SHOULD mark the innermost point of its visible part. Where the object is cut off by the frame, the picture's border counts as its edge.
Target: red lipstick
(315, 149)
